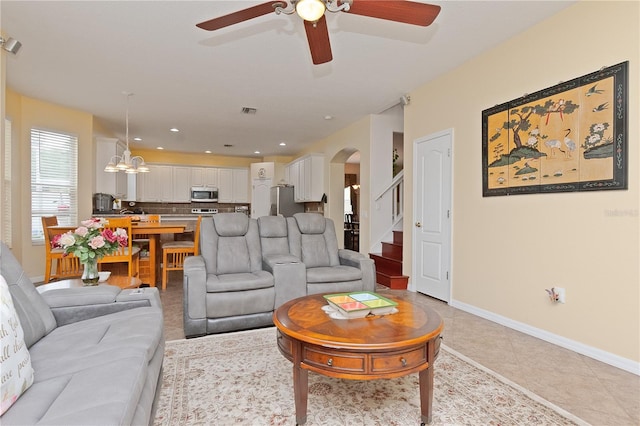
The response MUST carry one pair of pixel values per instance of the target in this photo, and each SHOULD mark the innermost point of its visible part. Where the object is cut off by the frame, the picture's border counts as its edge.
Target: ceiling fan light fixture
(310, 10)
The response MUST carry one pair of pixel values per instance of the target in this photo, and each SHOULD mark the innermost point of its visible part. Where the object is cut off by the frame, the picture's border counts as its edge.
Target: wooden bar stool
(175, 252)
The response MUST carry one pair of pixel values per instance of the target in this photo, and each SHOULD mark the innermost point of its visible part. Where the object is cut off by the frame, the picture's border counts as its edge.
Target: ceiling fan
(315, 23)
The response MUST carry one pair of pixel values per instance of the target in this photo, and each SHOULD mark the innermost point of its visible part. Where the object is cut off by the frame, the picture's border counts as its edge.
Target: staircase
(389, 264)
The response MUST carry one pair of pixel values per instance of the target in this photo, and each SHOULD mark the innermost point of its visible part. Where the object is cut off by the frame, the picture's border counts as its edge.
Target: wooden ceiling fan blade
(239, 16)
(404, 11)
(319, 44)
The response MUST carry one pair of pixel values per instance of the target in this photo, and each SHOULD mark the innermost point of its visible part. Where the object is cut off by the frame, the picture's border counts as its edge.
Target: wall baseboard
(595, 353)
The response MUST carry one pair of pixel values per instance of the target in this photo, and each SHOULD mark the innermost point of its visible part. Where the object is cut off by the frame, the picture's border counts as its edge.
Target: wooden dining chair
(175, 252)
(67, 265)
(128, 254)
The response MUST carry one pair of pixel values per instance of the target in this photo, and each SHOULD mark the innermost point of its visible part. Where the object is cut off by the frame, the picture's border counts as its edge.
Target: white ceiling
(85, 54)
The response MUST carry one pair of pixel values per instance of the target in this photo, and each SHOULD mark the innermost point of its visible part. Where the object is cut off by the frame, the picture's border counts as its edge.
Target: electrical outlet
(560, 293)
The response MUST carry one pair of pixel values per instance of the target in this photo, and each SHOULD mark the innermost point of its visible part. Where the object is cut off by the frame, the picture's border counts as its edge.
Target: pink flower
(122, 237)
(67, 239)
(82, 231)
(96, 242)
(55, 241)
(95, 222)
(109, 235)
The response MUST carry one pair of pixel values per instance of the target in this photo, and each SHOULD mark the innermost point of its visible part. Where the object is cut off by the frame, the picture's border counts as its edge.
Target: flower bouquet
(90, 242)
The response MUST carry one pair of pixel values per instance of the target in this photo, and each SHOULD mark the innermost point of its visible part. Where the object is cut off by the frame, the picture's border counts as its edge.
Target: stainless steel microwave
(204, 194)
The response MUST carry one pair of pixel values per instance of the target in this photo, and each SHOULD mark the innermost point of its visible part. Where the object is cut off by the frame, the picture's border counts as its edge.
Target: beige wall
(337, 148)
(507, 250)
(32, 113)
(192, 159)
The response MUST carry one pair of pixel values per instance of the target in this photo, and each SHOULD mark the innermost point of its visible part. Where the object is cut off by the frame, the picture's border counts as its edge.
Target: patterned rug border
(527, 392)
(533, 396)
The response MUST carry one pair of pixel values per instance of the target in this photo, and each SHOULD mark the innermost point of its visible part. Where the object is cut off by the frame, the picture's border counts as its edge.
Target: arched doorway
(352, 202)
(345, 190)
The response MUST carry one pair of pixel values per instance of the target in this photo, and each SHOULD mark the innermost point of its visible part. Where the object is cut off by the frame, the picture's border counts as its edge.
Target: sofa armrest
(71, 305)
(80, 296)
(194, 300)
(289, 275)
(362, 262)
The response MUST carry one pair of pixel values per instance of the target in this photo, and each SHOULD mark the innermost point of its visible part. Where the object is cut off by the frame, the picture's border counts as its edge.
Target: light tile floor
(596, 392)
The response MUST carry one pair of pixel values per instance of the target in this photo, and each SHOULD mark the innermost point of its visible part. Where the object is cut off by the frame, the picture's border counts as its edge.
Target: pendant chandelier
(126, 163)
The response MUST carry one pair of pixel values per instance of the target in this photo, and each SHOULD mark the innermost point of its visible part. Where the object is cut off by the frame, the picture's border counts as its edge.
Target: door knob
(418, 224)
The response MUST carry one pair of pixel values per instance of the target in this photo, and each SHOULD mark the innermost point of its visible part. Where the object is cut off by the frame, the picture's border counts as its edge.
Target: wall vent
(247, 110)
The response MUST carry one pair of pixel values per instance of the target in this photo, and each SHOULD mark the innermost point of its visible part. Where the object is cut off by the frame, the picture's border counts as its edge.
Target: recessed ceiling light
(328, 117)
(207, 152)
(256, 152)
(283, 144)
(159, 147)
(173, 129)
(137, 139)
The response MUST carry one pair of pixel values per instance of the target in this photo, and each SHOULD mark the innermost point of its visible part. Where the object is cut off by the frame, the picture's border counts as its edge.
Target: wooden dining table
(154, 230)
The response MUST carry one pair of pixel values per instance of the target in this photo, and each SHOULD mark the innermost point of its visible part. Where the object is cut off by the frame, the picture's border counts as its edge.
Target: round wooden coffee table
(375, 347)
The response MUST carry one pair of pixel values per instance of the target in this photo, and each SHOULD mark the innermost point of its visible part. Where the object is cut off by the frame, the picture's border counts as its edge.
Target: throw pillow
(16, 371)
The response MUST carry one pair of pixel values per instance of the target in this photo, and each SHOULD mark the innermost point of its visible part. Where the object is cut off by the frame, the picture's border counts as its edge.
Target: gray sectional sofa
(249, 267)
(96, 352)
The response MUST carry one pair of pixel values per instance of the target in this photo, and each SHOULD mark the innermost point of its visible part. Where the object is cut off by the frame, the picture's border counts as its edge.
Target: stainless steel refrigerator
(282, 203)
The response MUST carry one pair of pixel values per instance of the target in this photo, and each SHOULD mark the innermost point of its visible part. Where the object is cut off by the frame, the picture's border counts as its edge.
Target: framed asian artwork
(569, 137)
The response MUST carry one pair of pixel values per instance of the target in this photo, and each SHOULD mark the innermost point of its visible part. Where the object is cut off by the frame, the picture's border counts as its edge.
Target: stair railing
(397, 197)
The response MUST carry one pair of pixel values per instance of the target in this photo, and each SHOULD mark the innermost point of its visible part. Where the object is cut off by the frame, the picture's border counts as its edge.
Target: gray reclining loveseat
(249, 267)
(96, 352)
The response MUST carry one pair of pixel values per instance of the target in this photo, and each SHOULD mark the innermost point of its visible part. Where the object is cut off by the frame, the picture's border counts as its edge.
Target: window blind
(54, 171)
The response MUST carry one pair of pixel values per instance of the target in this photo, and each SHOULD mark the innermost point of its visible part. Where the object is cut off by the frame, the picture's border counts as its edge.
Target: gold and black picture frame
(569, 137)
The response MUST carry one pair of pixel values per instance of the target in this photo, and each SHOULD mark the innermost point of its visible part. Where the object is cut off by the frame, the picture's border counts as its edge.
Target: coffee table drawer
(396, 361)
(346, 362)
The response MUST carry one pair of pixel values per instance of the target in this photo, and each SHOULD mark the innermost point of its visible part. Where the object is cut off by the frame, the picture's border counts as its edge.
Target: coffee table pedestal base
(369, 365)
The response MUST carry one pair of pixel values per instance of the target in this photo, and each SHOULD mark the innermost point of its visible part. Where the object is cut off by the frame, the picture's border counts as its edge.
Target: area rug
(242, 379)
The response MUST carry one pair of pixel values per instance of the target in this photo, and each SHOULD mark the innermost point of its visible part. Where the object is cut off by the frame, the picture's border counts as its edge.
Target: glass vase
(90, 274)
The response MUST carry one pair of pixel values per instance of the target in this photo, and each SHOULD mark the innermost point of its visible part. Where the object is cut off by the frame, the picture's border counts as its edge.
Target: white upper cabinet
(182, 184)
(204, 176)
(241, 185)
(306, 174)
(233, 185)
(157, 185)
(172, 184)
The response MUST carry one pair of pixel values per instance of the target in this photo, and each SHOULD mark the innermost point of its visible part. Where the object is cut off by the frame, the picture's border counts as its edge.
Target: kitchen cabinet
(233, 185)
(306, 174)
(204, 176)
(109, 183)
(294, 179)
(157, 185)
(169, 184)
(181, 184)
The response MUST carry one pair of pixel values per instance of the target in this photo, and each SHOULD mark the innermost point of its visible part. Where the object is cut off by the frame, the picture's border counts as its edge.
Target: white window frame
(54, 179)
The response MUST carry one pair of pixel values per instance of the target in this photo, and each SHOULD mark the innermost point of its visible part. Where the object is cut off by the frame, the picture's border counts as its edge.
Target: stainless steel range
(204, 211)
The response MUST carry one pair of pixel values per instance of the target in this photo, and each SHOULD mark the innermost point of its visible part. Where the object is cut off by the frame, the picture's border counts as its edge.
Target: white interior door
(432, 215)
(260, 197)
